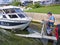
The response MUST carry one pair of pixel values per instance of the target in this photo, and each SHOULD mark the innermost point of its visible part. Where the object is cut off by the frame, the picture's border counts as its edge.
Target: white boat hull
(20, 27)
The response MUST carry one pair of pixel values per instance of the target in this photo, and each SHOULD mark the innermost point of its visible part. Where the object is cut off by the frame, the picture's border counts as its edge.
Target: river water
(33, 26)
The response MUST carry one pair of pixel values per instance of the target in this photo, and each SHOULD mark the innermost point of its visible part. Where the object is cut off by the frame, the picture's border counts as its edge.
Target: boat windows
(18, 10)
(21, 15)
(12, 10)
(4, 16)
(9, 10)
(13, 16)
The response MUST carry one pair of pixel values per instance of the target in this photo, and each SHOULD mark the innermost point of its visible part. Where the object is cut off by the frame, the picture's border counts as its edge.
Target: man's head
(49, 14)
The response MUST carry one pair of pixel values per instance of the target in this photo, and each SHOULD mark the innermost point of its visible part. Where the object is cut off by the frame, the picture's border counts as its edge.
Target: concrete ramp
(36, 34)
(30, 35)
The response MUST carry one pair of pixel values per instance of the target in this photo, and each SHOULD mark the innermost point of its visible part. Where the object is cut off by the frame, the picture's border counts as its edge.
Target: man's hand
(59, 36)
(43, 20)
(51, 21)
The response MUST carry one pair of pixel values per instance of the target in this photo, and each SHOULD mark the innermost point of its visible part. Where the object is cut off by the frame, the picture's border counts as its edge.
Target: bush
(31, 6)
(16, 3)
(36, 5)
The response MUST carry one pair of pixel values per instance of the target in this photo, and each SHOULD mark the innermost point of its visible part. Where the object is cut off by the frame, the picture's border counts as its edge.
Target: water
(32, 26)
(11, 39)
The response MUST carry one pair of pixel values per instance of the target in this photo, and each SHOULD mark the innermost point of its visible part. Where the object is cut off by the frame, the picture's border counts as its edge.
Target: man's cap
(49, 13)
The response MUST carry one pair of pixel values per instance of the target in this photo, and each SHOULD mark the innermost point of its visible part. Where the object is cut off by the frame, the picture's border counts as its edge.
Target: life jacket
(57, 31)
(50, 24)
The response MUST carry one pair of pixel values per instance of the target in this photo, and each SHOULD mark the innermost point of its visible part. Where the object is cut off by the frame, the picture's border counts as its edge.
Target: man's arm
(51, 20)
(59, 36)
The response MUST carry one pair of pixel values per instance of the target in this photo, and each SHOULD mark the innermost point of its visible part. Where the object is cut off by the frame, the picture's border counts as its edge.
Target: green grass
(53, 9)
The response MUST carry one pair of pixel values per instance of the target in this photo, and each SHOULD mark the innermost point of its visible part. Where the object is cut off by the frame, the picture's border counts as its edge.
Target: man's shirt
(53, 19)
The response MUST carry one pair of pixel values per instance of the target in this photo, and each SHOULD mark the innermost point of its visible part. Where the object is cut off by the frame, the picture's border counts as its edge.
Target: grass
(53, 9)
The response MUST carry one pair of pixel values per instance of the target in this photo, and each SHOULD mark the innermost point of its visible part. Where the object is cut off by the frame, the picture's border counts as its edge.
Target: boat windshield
(21, 15)
(12, 10)
(13, 16)
(18, 10)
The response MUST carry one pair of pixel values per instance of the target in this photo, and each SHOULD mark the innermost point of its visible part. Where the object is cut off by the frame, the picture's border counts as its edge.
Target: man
(50, 23)
(49, 27)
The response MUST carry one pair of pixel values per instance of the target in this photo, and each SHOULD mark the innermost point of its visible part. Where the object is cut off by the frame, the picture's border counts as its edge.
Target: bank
(38, 17)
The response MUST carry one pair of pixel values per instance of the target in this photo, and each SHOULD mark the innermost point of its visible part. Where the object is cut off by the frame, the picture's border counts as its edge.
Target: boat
(12, 17)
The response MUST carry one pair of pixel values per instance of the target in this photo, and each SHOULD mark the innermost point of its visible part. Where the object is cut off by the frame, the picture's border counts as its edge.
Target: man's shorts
(49, 31)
